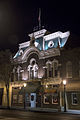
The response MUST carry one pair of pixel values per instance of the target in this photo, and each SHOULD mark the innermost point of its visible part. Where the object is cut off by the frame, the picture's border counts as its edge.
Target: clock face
(50, 44)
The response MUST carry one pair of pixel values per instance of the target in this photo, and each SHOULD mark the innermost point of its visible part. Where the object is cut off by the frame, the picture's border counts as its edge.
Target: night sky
(19, 17)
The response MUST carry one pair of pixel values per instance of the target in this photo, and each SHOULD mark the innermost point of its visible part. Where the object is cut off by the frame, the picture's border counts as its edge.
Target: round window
(50, 44)
(32, 61)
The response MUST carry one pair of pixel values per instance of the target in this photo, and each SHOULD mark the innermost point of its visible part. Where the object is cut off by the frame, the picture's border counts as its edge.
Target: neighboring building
(43, 63)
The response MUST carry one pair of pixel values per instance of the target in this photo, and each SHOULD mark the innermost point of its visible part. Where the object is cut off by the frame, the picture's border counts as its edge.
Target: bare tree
(5, 70)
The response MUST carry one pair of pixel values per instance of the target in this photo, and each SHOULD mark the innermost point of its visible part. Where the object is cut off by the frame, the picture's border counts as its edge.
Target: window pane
(55, 98)
(74, 99)
(46, 99)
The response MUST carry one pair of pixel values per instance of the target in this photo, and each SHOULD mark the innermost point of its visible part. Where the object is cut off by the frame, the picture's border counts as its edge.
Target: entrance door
(33, 100)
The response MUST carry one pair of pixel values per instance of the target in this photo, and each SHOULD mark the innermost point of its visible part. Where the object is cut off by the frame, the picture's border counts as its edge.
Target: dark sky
(19, 17)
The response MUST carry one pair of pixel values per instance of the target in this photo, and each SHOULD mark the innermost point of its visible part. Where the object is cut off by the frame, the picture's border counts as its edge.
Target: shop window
(74, 99)
(14, 98)
(20, 99)
(46, 98)
(55, 98)
(69, 69)
(27, 96)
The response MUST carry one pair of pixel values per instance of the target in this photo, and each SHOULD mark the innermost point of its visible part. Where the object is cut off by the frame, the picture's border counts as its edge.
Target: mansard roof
(44, 42)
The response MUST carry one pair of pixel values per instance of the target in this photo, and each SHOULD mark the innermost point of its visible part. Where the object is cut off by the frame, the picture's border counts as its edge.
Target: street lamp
(24, 93)
(64, 83)
(25, 84)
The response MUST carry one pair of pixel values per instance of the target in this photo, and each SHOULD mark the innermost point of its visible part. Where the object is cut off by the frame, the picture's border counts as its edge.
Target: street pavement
(26, 115)
(50, 110)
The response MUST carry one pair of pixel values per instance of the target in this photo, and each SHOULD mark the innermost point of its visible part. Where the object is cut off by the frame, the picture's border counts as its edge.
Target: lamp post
(24, 93)
(64, 83)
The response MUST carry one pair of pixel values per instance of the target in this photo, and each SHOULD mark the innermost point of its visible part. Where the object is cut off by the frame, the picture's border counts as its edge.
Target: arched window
(18, 73)
(49, 68)
(55, 68)
(69, 69)
(33, 69)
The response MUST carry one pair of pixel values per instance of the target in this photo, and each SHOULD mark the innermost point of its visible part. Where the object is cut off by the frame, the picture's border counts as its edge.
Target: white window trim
(44, 100)
(52, 101)
(72, 99)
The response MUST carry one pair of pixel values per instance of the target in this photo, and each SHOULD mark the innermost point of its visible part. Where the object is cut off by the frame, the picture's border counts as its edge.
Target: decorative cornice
(41, 54)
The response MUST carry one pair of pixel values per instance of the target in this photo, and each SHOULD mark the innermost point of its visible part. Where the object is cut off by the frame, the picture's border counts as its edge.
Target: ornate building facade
(43, 63)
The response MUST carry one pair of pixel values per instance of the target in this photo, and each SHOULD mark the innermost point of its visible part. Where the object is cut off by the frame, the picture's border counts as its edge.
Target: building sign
(50, 90)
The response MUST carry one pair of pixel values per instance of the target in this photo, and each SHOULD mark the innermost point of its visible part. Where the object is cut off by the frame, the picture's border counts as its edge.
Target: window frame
(57, 99)
(45, 98)
(73, 100)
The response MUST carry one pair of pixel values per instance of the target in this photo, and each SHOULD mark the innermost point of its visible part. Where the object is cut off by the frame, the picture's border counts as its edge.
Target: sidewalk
(51, 110)
(73, 112)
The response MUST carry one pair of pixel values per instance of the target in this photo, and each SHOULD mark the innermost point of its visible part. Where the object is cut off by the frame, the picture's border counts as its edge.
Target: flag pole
(39, 18)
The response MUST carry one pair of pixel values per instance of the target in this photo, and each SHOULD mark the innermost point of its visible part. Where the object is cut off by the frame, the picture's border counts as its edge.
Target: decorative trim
(56, 34)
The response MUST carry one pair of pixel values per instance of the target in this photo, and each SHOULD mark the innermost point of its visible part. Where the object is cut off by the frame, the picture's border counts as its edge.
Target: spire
(39, 18)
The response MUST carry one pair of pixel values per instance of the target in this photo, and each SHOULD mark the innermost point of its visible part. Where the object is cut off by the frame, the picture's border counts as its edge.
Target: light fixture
(25, 84)
(64, 82)
(46, 86)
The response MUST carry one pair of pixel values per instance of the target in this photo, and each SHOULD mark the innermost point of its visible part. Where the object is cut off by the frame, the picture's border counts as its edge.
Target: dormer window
(50, 44)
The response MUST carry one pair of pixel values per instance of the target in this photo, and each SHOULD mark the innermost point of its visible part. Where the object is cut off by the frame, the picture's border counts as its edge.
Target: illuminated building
(38, 63)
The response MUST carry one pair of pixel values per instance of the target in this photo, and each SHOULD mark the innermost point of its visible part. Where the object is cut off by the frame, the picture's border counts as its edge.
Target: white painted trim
(38, 34)
(44, 100)
(56, 34)
(25, 44)
(72, 98)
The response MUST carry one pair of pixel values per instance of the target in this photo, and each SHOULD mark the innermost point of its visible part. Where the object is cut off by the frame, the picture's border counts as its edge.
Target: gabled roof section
(43, 42)
(55, 39)
(22, 48)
